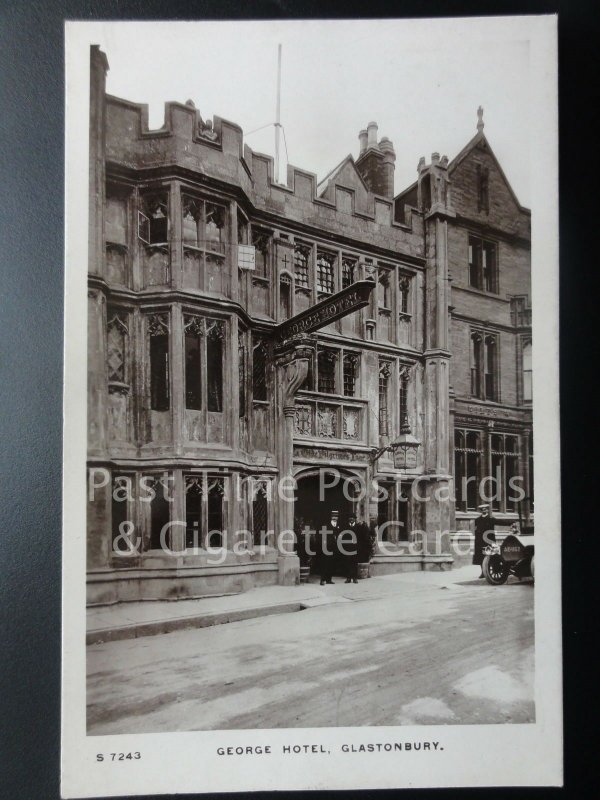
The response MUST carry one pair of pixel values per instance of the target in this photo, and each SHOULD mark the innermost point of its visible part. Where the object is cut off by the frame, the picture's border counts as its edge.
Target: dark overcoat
(483, 525)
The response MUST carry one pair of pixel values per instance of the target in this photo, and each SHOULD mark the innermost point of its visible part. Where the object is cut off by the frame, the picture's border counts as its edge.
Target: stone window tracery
(325, 273)
(302, 266)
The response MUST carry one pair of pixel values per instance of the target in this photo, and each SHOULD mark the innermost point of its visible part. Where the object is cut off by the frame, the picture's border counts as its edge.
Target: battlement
(216, 149)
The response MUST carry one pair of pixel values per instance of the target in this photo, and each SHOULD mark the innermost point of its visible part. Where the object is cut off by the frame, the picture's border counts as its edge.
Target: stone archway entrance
(317, 499)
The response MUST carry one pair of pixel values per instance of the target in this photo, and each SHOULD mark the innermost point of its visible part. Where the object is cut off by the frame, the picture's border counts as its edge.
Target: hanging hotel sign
(326, 311)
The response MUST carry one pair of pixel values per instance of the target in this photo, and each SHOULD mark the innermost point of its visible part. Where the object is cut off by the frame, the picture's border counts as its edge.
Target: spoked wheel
(495, 569)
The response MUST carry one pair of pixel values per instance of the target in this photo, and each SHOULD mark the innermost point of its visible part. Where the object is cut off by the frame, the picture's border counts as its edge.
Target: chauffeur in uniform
(484, 524)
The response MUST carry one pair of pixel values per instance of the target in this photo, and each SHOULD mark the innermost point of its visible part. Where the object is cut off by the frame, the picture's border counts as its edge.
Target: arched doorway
(320, 493)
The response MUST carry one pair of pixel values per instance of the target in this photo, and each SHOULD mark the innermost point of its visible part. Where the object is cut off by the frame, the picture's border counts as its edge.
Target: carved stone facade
(202, 399)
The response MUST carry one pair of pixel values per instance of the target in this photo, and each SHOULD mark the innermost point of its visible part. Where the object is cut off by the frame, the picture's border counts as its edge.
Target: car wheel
(532, 569)
(495, 569)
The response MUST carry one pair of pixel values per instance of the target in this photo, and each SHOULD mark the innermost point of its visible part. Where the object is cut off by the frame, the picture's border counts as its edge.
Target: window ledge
(482, 293)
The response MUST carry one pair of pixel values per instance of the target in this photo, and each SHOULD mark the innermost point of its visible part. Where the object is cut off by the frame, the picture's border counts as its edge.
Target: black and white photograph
(311, 277)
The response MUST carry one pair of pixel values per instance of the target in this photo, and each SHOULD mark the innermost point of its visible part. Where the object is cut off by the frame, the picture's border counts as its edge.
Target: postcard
(311, 406)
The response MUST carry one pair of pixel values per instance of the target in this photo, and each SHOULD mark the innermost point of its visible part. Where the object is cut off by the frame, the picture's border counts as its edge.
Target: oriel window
(194, 331)
(160, 513)
(153, 221)
(117, 339)
(216, 491)
(158, 330)
(194, 531)
(403, 379)
(242, 373)
(260, 513)
(203, 362)
(259, 370)
(215, 330)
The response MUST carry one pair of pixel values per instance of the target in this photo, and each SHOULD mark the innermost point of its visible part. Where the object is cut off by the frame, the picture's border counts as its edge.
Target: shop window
(325, 273)
(505, 466)
(468, 456)
(158, 329)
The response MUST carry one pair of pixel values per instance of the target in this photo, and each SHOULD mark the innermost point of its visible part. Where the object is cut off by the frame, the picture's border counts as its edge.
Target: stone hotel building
(199, 406)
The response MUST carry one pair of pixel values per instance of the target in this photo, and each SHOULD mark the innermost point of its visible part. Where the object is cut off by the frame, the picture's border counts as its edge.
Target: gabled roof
(329, 179)
(479, 138)
(458, 159)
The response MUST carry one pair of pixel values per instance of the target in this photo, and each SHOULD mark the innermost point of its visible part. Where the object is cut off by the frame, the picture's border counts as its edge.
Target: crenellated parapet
(343, 203)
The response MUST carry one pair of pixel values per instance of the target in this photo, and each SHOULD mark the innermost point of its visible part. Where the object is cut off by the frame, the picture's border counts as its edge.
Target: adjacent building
(196, 415)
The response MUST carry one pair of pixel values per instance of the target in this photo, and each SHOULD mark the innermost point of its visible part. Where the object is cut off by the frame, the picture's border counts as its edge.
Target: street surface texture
(388, 651)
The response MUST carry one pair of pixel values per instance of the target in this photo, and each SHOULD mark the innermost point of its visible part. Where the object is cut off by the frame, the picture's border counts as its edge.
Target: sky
(421, 81)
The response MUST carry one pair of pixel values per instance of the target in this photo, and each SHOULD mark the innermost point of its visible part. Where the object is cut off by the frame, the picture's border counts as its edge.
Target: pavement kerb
(141, 628)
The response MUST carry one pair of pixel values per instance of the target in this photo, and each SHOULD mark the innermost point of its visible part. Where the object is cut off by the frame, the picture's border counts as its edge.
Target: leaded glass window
(325, 273)
(301, 265)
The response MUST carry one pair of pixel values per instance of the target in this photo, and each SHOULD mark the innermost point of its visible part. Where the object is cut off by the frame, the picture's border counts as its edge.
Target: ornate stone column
(291, 362)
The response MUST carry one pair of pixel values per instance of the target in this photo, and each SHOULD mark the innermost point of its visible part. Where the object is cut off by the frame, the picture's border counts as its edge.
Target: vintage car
(513, 556)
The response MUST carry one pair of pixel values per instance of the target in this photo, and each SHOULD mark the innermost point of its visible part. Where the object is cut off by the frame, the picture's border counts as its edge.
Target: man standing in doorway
(350, 553)
(484, 534)
(328, 548)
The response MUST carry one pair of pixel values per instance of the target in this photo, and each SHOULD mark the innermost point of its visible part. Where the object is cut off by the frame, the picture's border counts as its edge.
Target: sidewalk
(147, 618)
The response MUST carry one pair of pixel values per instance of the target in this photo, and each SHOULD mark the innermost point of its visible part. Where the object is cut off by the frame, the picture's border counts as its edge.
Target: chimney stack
(376, 161)
(362, 141)
(372, 134)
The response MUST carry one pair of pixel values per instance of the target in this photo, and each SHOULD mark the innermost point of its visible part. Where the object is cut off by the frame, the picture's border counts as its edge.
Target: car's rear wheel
(495, 569)
(532, 568)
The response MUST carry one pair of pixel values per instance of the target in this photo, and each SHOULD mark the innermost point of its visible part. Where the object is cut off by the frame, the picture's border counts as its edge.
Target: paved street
(408, 649)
